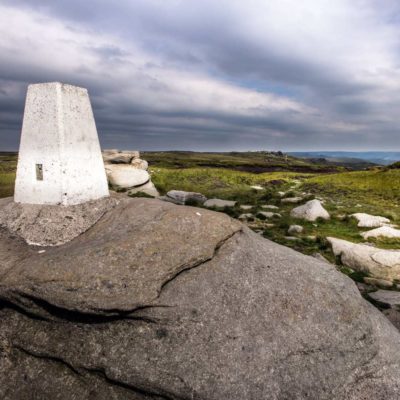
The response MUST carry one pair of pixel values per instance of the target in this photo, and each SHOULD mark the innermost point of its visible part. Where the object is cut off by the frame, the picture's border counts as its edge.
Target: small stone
(295, 229)
(269, 214)
(270, 206)
(292, 200)
(219, 203)
(257, 187)
(246, 207)
(246, 216)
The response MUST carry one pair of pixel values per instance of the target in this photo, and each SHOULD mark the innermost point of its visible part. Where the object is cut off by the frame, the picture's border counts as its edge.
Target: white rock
(310, 211)
(292, 200)
(219, 203)
(370, 221)
(383, 231)
(115, 156)
(379, 263)
(126, 176)
(295, 229)
(270, 206)
(147, 188)
(269, 214)
(246, 207)
(139, 163)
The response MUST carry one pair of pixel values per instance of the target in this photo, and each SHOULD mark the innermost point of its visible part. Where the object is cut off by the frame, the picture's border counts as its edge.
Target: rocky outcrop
(383, 231)
(126, 176)
(125, 170)
(310, 211)
(157, 301)
(370, 221)
(379, 263)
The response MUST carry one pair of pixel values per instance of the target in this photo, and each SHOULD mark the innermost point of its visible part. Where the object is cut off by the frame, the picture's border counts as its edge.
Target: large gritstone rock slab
(158, 301)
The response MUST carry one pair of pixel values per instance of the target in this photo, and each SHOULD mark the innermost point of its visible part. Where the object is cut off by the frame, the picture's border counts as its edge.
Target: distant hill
(375, 157)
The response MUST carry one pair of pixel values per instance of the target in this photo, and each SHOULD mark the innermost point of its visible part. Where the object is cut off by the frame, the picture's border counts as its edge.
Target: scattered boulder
(219, 203)
(370, 221)
(379, 263)
(383, 231)
(182, 197)
(269, 214)
(310, 211)
(295, 229)
(386, 298)
(153, 297)
(126, 176)
(270, 206)
(246, 207)
(292, 200)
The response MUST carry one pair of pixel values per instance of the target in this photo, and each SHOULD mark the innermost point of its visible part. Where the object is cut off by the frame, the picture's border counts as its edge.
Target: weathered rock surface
(51, 225)
(387, 298)
(246, 216)
(310, 211)
(219, 203)
(383, 231)
(246, 207)
(182, 197)
(370, 221)
(379, 263)
(126, 176)
(157, 301)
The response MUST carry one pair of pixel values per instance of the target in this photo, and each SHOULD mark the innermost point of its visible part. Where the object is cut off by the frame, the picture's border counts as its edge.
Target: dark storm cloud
(176, 74)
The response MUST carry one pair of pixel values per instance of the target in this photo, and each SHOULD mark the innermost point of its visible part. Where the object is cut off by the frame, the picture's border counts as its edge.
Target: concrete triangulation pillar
(59, 158)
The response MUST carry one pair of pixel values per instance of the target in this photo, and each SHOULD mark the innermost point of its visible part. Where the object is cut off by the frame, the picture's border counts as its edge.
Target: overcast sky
(212, 74)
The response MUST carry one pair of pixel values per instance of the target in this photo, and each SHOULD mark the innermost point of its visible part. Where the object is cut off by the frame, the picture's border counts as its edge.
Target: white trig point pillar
(59, 158)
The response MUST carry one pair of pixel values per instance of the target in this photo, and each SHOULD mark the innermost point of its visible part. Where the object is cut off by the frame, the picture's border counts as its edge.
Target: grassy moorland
(8, 165)
(259, 178)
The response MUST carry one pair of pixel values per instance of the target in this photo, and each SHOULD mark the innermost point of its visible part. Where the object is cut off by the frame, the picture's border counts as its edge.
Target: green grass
(221, 183)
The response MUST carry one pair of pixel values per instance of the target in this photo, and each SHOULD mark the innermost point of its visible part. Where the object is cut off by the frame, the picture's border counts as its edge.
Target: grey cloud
(207, 41)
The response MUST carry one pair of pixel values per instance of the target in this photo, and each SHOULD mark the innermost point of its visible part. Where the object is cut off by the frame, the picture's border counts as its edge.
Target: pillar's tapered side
(60, 159)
